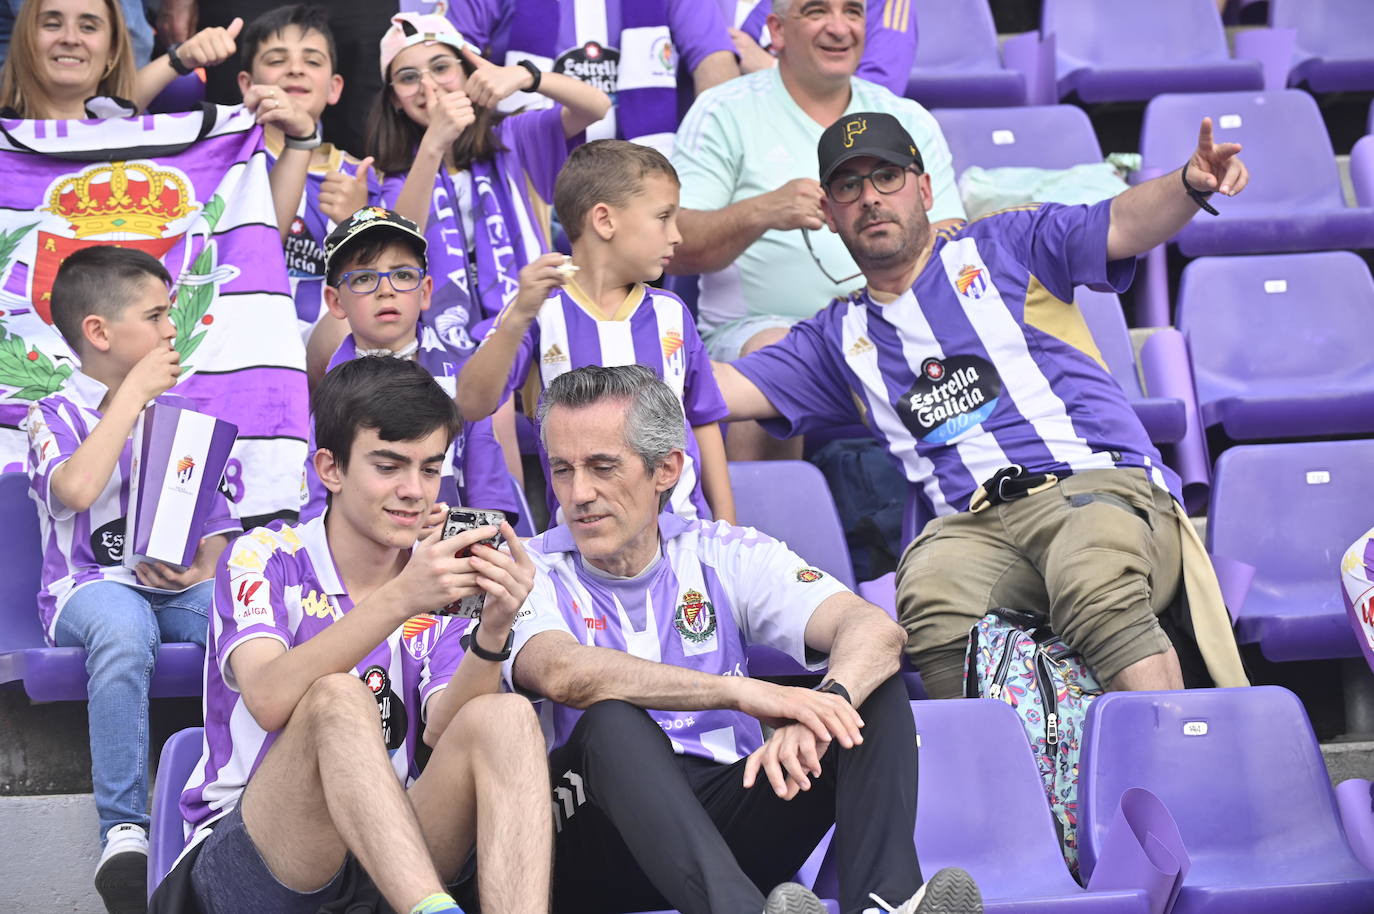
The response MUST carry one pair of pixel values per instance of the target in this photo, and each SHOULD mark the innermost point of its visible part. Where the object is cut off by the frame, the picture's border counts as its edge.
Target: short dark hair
(306, 17)
(396, 398)
(368, 247)
(102, 280)
(604, 171)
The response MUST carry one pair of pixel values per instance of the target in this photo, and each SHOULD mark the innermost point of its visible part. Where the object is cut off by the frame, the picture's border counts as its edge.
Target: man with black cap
(966, 357)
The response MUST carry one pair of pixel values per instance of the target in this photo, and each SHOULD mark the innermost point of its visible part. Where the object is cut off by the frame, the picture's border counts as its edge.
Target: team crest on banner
(695, 619)
(191, 190)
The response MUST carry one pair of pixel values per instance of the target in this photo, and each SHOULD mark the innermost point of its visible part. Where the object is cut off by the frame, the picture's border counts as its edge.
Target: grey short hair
(654, 423)
(781, 7)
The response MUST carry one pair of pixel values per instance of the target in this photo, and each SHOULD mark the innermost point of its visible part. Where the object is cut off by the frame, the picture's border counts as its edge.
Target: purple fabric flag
(188, 188)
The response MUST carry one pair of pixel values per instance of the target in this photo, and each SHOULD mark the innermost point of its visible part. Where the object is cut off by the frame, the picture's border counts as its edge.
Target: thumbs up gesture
(450, 112)
(342, 194)
(210, 46)
(489, 85)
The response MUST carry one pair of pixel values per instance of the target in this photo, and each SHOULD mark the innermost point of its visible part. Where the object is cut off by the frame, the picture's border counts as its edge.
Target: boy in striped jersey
(967, 358)
(618, 203)
(110, 304)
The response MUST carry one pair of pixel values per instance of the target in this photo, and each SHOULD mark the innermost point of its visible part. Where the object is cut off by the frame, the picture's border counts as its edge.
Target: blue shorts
(230, 877)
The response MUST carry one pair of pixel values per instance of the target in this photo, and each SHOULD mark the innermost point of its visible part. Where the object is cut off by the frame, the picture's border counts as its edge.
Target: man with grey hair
(751, 206)
(636, 631)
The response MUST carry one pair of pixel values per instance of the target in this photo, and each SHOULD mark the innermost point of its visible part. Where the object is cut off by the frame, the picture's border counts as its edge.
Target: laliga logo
(853, 129)
(185, 467)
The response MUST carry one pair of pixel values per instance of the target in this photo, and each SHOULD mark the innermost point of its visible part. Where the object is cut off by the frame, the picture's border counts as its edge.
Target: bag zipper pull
(1052, 729)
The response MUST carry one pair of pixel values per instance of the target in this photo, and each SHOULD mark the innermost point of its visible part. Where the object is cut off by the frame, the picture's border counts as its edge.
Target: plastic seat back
(789, 501)
(180, 754)
(1047, 136)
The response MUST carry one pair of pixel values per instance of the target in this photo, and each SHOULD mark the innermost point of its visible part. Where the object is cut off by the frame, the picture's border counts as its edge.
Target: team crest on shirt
(672, 342)
(809, 575)
(418, 635)
(950, 397)
(695, 619)
(972, 281)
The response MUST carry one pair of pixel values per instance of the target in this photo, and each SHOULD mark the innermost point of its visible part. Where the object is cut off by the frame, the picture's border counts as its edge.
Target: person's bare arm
(742, 396)
(583, 104)
(1151, 213)
(712, 239)
(554, 665)
(864, 644)
(715, 471)
(206, 48)
(450, 114)
(714, 69)
(270, 105)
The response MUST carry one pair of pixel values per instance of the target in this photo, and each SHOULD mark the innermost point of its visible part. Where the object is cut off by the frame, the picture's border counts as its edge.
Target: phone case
(460, 519)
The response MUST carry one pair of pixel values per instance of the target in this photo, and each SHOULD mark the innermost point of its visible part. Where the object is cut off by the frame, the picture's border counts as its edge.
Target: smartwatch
(501, 656)
(176, 62)
(831, 686)
(302, 142)
(533, 71)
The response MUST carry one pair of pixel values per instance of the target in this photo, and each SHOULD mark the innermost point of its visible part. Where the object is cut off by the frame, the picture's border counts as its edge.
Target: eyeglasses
(848, 187)
(806, 236)
(365, 282)
(445, 70)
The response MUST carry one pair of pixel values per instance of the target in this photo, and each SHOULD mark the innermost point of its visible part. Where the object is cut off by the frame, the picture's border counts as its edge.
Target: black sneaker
(950, 891)
(121, 877)
(791, 898)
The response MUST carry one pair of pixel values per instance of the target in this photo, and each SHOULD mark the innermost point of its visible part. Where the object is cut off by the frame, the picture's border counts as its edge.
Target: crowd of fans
(840, 286)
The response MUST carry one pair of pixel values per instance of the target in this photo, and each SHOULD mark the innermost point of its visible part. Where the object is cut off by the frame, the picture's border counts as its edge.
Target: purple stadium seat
(1124, 50)
(1294, 200)
(957, 61)
(1278, 343)
(1165, 418)
(1355, 799)
(1290, 510)
(1362, 169)
(1243, 776)
(1045, 136)
(180, 754)
(1335, 51)
(981, 806)
(57, 673)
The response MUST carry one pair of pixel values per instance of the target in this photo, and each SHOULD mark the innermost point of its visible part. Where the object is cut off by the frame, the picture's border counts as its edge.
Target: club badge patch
(695, 619)
(808, 575)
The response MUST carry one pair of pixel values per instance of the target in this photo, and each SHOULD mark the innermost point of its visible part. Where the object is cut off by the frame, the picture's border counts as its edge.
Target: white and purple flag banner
(191, 189)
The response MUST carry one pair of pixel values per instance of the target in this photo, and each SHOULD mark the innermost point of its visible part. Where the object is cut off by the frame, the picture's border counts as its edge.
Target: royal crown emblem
(121, 197)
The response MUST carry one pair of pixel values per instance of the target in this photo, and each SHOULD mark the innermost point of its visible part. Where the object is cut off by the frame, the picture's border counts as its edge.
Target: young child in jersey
(111, 304)
(377, 285)
(618, 202)
(291, 49)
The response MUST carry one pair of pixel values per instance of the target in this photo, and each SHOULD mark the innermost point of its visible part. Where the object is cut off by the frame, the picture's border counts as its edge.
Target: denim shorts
(230, 877)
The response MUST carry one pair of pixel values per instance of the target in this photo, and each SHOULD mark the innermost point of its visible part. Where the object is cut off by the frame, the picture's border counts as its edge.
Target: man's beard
(902, 247)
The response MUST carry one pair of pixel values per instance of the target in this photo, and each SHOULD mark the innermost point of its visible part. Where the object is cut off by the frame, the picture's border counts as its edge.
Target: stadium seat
(1164, 418)
(1043, 136)
(180, 754)
(58, 673)
(1129, 51)
(1355, 799)
(1335, 43)
(1279, 343)
(1294, 201)
(1243, 776)
(1362, 170)
(957, 60)
(981, 806)
(1290, 510)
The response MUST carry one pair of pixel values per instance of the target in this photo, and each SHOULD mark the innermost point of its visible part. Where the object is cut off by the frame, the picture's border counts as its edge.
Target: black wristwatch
(470, 643)
(830, 685)
(1199, 196)
(177, 63)
(534, 71)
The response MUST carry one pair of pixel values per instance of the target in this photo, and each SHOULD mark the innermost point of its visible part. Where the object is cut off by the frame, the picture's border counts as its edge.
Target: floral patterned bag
(1015, 657)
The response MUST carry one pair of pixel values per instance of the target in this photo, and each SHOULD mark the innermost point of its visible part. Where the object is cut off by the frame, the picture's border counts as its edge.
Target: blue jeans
(120, 628)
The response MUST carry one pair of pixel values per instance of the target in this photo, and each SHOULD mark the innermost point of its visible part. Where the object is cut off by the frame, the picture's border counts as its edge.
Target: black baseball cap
(867, 133)
(367, 219)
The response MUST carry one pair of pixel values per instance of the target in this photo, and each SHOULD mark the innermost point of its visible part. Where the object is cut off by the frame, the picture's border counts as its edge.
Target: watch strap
(176, 62)
(833, 687)
(533, 71)
(501, 656)
(302, 142)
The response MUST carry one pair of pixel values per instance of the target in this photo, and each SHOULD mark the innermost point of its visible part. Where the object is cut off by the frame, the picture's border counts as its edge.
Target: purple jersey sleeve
(538, 141)
(477, 20)
(248, 601)
(443, 661)
(889, 45)
(800, 377)
(698, 30)
(1066, 246)
(702, 400)
(51, 441)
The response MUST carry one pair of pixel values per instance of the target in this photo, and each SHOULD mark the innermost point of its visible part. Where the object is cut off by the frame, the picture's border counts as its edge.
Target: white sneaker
(121, 877)
(791, 898)
(950, 891)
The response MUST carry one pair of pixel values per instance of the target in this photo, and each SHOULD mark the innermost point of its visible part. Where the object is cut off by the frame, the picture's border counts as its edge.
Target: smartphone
(460, 519)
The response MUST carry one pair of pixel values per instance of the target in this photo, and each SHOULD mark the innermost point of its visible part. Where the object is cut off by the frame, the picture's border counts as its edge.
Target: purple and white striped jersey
(984, 363)
(474, 473)
(652, 328)
(84, 546)
(714, 589)
(283, 584)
